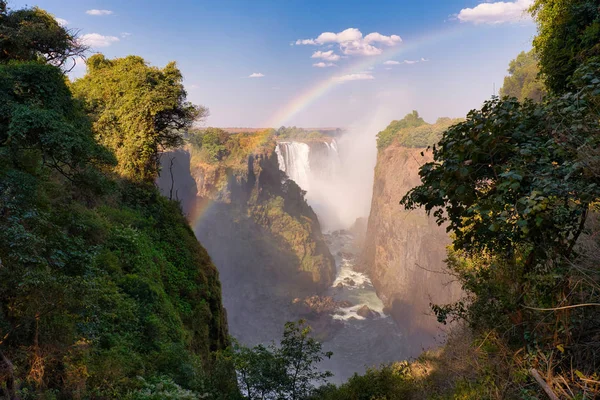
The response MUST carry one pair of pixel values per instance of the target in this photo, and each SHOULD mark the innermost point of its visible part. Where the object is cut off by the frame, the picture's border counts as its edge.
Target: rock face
(261, 234)
(404, 250)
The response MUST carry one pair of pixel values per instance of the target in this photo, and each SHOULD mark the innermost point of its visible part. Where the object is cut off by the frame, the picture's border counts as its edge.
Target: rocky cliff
(404, 250)
(260, 232)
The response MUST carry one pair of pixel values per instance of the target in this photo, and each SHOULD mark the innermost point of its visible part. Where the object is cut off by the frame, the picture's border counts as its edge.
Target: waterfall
(316, 168)
(293, 158)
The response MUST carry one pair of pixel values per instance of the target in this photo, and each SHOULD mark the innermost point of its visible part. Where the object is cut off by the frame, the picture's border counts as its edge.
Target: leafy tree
(44, 120)
(568, 36)
(138, 111)
(386, 137)
(33, 34)
(522, 81)
(287, 371)
(213, 141)
(515, 183)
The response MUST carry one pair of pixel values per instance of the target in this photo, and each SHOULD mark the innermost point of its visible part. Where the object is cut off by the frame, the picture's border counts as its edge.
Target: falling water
(316, 168)
(293, 158)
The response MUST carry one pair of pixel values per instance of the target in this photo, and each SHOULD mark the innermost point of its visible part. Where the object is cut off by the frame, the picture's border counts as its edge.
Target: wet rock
(344, 304)
(339, 286)
(350, 281)
(367, 313)
(346, 255)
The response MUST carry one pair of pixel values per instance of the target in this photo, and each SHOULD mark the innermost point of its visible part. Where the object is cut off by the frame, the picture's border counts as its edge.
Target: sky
(313, 63)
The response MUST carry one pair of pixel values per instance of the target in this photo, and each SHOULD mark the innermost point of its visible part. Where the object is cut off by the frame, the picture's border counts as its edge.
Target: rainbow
(321, 88)
(306, 98)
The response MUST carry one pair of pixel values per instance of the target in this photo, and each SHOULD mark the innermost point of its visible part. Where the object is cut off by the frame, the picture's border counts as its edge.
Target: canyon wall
(404, 250)
(260, 232)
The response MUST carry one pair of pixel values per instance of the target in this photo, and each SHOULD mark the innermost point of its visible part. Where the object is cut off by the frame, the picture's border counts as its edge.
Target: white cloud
(98, 40)
(326, 55)
(323, 65)
(388, 68)
(362, 76)
(360, 47)
(62, 22)
(99, 12)
(376, 37)
(424, 59)
(305, 41)
(125, 34)
(256, 75)
(352, 42)
(391, 62)
(410, 61)
(496, 13)
(348, 35)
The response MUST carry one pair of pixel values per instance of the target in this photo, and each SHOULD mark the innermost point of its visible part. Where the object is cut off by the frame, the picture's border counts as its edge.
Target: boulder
(367, 313)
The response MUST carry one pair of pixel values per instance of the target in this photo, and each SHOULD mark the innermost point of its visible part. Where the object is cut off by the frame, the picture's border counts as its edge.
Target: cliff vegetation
(413, 131)
(103, 287)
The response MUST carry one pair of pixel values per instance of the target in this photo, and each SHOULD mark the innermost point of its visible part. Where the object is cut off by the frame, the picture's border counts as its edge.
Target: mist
(339, 198)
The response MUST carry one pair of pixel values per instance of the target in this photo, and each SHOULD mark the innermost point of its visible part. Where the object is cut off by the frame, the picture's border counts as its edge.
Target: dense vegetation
(214, 145)
(413, 131)
(287, 371)
(137, 111)
(294, 133)
(104, 290)
(523, 81)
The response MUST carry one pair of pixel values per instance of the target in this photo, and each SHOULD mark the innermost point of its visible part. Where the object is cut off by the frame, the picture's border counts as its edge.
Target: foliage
(138, 111)
(101, 280)
(215, 146)
(522, 81)
(294, 133)
(413, 131)
(32, 34)
(164, 388)
(213, 141)
(515, 185)
(568, 37)
(287, 371)
(389, 381)
(387, 136)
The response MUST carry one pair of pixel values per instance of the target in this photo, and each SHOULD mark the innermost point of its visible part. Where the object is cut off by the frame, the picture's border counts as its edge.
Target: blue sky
(443, 56)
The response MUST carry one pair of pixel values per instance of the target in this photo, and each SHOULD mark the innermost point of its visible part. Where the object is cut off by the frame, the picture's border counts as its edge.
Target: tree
(32, 34)
(44, 120)
(386, 137)
(522, 81)
(568, 36)
(137, 111)
(287, 371)
(213, 141)
(515, 184)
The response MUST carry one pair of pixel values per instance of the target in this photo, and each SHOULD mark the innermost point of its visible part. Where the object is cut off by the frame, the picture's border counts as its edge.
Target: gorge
(279, 260)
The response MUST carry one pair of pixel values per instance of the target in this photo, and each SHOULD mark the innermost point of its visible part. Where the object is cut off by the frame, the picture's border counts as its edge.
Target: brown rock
(367, 313)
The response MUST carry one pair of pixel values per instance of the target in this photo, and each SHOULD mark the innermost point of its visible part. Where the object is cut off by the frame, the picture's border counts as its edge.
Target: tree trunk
(9, 377)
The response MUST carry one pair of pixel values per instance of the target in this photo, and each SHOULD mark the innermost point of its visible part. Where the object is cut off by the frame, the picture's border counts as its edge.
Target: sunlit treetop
(32, 34)
(138, 110)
